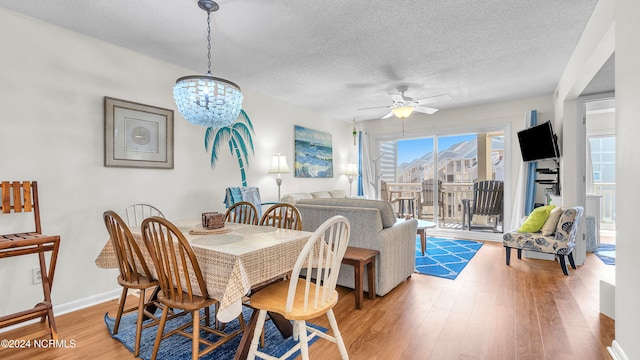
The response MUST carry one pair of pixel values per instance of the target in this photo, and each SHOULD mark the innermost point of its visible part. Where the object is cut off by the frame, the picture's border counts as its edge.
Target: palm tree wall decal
(237, 135)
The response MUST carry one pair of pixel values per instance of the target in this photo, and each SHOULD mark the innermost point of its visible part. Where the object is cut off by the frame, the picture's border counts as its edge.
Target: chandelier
(204, 99)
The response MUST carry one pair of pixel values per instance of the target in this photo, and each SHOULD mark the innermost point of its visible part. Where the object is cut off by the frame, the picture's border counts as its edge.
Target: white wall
(612, 27)
(627, 175)
(52, 87)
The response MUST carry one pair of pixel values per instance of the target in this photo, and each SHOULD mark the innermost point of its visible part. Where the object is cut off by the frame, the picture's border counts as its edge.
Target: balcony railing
(453, 195)
(607, 202)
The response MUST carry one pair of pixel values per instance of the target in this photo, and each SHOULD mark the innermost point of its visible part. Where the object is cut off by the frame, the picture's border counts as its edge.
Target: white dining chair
(309, 292)
(136, 213)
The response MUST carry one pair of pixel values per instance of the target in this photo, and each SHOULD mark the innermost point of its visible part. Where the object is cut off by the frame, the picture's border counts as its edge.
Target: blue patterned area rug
(445, 258)
(179, 347)
(606, 253)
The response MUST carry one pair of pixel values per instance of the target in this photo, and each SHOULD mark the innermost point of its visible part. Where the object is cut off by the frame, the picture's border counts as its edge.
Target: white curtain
(369, 183)
(517, 211)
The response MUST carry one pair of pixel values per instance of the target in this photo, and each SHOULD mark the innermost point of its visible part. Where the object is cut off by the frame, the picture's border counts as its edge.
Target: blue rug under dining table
(445, 258)
(178, 347)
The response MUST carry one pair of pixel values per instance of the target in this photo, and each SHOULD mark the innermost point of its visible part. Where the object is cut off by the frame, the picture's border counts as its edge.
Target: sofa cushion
(337, 194)
(321, 195)
(293, 198)
(536, 219)
(550, 225)
(386, 211)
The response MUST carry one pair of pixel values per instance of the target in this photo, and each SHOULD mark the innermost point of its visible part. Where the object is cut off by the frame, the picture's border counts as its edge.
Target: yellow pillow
(536, 219)
(550, 225)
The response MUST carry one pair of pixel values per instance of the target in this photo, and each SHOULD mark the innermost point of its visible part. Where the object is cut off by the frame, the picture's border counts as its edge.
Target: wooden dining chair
(182, 285)
(283, 216)
(134, 273)
(242, 212)
(309, 293)
(136, 213)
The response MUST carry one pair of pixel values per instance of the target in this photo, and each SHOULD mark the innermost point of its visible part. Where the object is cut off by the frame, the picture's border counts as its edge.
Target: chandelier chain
(209, 42)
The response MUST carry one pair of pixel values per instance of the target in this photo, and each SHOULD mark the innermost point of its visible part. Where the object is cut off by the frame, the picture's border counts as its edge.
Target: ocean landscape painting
(314, 155)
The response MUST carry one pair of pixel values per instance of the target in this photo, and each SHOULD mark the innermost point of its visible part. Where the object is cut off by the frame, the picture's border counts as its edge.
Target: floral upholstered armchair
(560, 243)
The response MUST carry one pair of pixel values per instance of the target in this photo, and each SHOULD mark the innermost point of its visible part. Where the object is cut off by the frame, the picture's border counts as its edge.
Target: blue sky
(409, 150)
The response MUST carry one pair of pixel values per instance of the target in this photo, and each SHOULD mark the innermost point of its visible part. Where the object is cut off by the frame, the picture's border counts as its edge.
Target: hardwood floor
(528, 310)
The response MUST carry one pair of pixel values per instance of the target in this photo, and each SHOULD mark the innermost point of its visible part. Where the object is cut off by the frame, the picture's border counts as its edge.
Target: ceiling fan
(403, 106)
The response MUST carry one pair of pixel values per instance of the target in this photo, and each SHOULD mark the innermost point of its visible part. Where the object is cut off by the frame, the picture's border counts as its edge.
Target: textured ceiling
(336, 57)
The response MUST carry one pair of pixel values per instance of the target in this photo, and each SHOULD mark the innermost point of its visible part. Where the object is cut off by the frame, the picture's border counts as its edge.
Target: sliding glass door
(439, 172)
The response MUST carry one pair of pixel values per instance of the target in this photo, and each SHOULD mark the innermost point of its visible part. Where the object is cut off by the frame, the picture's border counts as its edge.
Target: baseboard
(616, 351)
(72, 306)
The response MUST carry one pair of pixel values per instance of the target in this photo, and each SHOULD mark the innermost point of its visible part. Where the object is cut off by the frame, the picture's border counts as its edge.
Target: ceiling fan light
(402, 112)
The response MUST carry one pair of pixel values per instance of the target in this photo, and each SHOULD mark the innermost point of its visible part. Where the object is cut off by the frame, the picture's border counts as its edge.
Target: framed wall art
(137, 135)
(313, 153)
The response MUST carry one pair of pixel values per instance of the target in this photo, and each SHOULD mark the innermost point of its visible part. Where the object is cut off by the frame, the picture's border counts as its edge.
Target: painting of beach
(314, 155)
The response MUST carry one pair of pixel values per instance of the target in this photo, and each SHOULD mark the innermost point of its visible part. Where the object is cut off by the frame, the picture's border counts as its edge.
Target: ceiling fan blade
(390, 114)
(433, 99)
(375, 107)
(397, 98)
(425, 110)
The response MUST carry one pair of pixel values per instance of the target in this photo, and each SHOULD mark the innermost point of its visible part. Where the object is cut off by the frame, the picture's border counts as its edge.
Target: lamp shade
(279, 165)
(352, 170)
(207, 100)
(402, 112)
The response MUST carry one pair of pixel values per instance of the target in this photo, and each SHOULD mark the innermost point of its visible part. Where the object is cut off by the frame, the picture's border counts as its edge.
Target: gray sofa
(373, 226)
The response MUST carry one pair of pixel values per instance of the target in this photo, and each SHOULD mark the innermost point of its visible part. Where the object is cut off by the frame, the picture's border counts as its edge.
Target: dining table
(234, 260)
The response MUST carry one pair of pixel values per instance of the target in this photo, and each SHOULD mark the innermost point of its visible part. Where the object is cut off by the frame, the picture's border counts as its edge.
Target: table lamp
(279, 166)
(351, 171)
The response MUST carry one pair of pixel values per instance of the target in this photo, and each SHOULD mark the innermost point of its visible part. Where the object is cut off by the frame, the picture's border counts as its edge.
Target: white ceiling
(336, 57)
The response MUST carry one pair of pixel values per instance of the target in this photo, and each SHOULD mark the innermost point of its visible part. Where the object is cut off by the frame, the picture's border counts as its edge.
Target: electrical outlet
(37, 275)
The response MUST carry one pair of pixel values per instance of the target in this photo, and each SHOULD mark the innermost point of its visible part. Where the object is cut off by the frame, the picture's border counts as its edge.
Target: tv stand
(555, 182)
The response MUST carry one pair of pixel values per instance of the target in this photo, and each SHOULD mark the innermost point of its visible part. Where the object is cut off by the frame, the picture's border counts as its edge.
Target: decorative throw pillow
(549, 226)
(536, 219)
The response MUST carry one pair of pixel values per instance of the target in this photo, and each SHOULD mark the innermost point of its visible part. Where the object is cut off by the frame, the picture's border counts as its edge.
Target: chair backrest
(488, 197)
(130, 259)
(242, 213)
(177, 268)
(134, 214)
(568, 224)
(283, 216)
(321, 258)
(18, 197)
(428, 197)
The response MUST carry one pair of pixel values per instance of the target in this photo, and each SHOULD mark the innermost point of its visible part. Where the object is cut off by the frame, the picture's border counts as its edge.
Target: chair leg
(262, 315)
(195, 340)
(123, 297)
(508, 254)
(573, 263)
(563, 265)
(156, 344)
(519, 253)
(136, 349)
(302, 335)
(337, 335)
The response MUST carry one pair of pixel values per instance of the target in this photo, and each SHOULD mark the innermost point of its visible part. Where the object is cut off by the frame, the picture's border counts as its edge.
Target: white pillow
(550, 225)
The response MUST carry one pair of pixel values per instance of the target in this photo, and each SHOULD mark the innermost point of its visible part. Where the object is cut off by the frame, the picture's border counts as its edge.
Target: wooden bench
(359, 258)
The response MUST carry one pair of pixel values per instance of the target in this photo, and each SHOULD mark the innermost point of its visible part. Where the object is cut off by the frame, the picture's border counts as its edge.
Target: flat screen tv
(538, 143)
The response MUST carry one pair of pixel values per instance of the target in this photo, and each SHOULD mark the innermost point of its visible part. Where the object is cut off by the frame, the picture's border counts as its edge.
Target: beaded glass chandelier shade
(204, 99)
